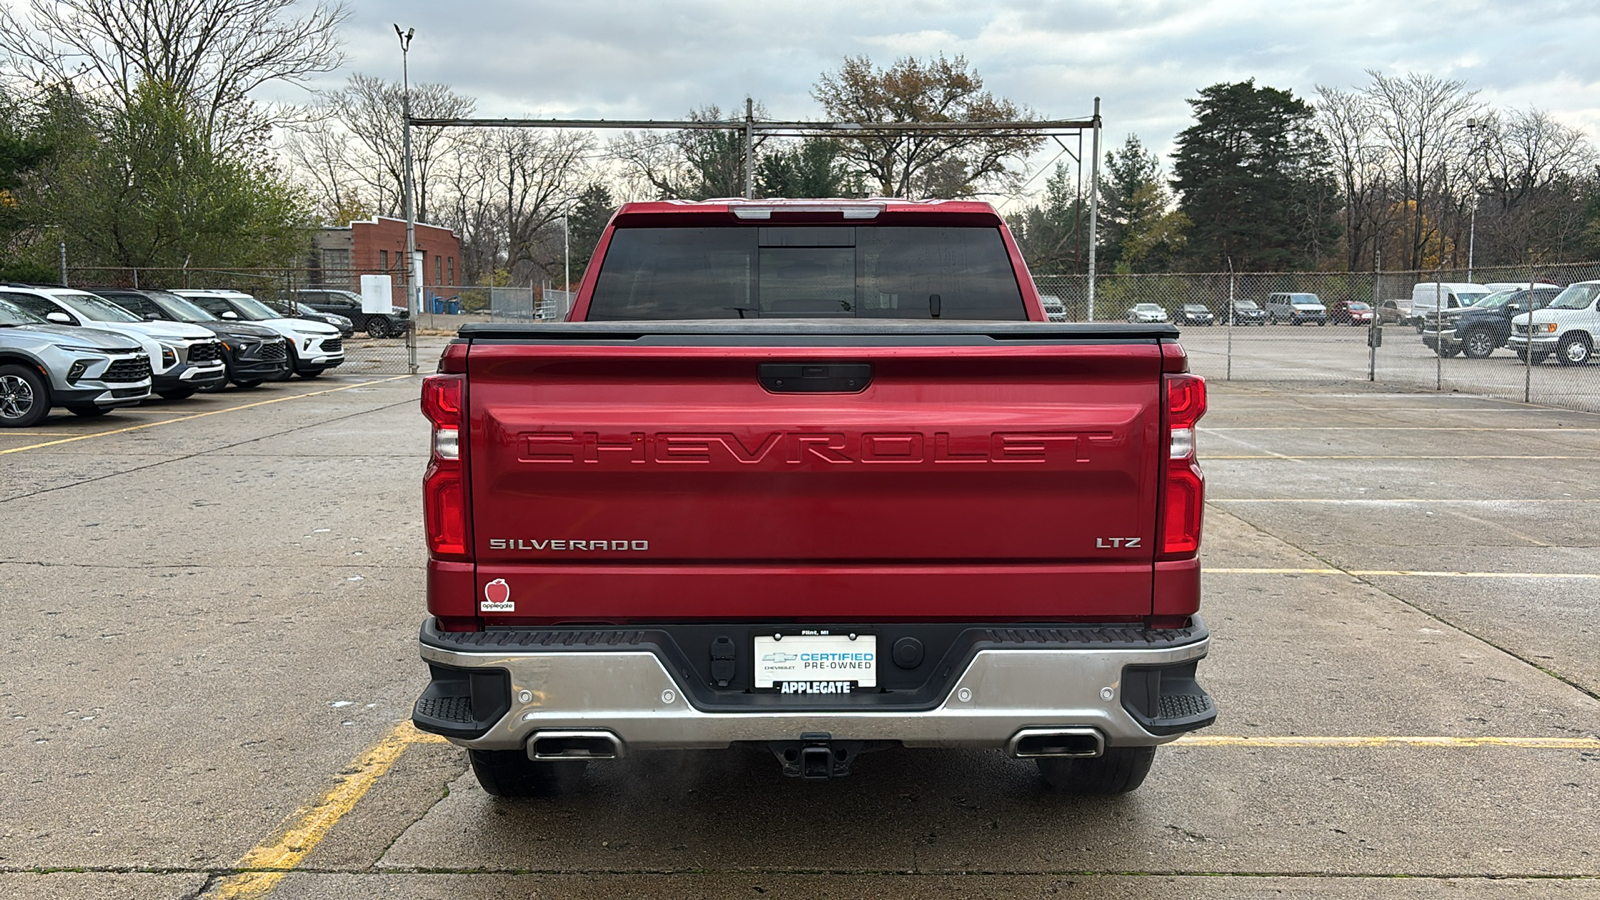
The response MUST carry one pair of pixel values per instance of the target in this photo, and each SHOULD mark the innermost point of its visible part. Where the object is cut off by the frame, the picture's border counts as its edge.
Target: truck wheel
(1446, 350)
(1574, 350)
(378, 327)
(510, 773)
(87, 410)
(1538, 357)
(24, 399)
(1478, 344)
(1118, 771)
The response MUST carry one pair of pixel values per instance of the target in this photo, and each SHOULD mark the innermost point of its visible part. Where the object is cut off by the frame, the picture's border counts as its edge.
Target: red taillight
(444, 487)
(441, 400)
(1184, 492)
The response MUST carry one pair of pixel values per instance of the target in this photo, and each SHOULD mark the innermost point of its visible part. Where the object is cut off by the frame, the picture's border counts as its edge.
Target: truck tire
(24, 397)
(1118, 771)
(378, 327)
(1538, 356)
(510, 773)
(1574, 349)
(1446, 350)
(1478, 343)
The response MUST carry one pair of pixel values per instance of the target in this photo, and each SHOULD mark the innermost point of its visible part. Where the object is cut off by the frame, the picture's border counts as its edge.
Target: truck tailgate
(1011, 480)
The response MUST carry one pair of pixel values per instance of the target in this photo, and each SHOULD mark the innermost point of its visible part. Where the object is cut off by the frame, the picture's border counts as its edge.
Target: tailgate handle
(816, 378)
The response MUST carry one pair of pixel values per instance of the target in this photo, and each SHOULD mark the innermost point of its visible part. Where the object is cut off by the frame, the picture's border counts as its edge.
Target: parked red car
(1351, 312)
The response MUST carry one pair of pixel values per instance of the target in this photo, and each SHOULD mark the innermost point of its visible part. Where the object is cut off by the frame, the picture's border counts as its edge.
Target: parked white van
(1569, 326)
(1430, 296)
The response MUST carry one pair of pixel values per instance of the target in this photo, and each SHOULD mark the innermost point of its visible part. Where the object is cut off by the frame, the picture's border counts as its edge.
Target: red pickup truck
(818, 476)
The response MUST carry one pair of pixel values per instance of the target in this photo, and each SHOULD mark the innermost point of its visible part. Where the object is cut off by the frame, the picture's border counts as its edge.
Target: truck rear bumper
(498, 690)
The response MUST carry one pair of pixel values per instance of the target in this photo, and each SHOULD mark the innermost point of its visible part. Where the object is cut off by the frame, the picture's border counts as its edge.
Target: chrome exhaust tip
(1036, 743)
(550, 746)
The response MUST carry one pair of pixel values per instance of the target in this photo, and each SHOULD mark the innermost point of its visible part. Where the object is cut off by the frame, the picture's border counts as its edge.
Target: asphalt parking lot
(209, 656)
(1338, 353)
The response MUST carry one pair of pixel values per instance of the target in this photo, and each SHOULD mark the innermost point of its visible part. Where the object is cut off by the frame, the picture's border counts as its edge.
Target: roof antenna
(934, 304)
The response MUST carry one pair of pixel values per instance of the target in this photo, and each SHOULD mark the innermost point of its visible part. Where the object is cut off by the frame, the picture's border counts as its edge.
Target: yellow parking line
(214, 412)
(1524, 743)
(268, 863)
(1408, 573)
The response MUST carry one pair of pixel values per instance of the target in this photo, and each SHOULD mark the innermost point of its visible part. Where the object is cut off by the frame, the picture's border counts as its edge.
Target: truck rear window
(789, 272)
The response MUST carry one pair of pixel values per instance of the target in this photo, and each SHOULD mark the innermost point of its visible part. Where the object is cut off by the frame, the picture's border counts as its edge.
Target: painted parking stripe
(1498, 501)
(267, 864)
(1524, 743)
(1279, 456)
(1220, 428)
(214, 412)
(1407, 573)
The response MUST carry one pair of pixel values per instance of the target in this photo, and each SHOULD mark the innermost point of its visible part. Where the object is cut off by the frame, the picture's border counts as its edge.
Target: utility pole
(413, 267)
(749, 148)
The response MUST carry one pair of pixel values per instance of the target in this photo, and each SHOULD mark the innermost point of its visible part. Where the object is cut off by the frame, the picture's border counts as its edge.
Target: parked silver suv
(87, 370)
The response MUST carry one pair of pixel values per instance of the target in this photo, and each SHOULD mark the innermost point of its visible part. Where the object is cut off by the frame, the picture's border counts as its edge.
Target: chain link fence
(447, 308)
(1372, 331)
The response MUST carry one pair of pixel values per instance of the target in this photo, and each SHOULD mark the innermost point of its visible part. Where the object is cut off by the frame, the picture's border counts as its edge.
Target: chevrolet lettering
(818, 477)
(788, 449)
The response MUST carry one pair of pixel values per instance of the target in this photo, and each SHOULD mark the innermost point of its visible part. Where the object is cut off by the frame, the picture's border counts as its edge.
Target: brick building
(342, 254)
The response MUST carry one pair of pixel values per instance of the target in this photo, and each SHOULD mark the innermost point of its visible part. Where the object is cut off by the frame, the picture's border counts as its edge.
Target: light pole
(1472, 227)
(413, 270)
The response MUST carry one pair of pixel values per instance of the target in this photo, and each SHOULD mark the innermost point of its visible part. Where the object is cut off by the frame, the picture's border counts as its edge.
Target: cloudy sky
(1143, 58)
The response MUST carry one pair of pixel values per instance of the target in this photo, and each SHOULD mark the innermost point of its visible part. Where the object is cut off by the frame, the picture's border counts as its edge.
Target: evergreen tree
(1139, 231)
(813, 168)
(1053, 235)
(586, 222)
(1254, 180)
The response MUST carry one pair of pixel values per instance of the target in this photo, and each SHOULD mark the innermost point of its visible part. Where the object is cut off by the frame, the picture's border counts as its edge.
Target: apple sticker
(497, 597)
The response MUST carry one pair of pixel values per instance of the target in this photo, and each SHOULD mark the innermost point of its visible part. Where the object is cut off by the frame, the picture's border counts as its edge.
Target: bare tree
(319, 157)
(691, 164)
(210, 53)
(920, 164)
(505, 189)
(1350, 124)
(1423, 121)
(1531, 169)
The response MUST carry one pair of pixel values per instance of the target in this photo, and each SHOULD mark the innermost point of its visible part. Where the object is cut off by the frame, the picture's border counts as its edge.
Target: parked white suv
(184, 358)
(1568, 327)
(314, 347)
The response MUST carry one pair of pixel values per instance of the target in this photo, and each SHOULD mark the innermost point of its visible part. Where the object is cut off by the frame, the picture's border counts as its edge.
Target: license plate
(807, 663)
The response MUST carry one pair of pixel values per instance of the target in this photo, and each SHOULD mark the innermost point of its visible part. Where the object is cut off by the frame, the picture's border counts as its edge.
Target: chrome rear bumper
(1001, 694)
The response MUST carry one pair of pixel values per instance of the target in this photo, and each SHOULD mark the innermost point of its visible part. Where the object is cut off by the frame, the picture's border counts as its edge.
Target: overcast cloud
(1144, 58)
